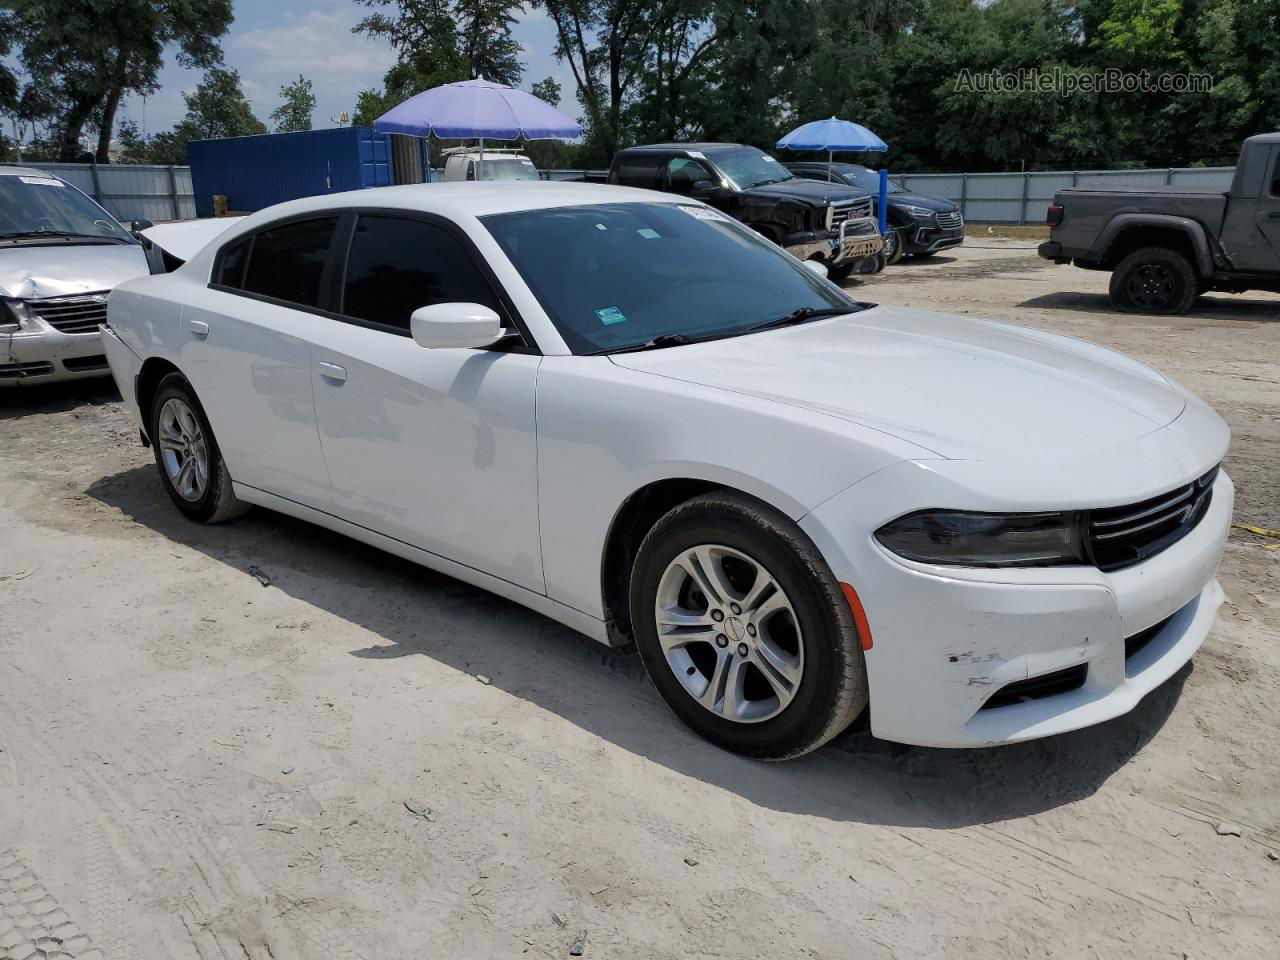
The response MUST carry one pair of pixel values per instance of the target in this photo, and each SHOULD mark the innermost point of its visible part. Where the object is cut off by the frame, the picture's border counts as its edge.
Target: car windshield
(622, 275)
(32, 205)
(868, 180)
(749, 167)
(509, 168)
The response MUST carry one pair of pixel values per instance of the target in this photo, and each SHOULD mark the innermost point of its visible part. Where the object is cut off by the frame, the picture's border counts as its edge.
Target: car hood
(811, 191)
(959, 388)
(937, 204)
(33, 272)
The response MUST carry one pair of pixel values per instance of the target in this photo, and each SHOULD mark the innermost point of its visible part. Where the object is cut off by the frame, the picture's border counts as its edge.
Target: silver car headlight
(920, 213)
(13, 316)
(970, 539)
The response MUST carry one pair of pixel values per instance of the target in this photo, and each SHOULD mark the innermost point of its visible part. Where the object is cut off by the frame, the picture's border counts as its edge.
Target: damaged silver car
(60, 254)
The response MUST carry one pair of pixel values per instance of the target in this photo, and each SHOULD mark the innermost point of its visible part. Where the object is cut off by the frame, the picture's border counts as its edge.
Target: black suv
(812, 221)
(921, 225)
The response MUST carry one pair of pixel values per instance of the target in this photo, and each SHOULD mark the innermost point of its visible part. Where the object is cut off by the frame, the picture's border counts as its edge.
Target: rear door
(248, 357)
(434, 447)
(1269, 210)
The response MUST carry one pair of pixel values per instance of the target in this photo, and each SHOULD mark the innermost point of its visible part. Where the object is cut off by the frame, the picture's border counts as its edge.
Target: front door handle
(1274, 215)
(199, 328)
(331, 371)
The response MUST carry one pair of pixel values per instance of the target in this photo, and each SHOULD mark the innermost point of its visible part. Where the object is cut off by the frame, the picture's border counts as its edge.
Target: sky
(272, 41)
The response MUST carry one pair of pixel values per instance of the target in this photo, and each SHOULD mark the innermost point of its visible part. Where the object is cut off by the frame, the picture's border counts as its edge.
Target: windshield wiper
(657, 343)
(804, 315)
(61, 235)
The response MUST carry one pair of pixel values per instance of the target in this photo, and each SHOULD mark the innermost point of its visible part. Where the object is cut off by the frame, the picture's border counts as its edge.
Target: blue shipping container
(255, 172)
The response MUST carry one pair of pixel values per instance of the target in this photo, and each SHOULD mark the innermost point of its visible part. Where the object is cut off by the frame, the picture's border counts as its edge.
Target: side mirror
(817, 266)
(702, 189)
(456, 325)
(137, 226)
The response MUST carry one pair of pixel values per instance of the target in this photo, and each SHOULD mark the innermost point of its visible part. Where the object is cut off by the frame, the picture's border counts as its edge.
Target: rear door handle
(198, 327)
(331, 371)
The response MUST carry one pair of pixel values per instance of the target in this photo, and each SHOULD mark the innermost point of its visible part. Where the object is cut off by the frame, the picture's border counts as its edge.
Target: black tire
(871, 264)
(899, 249)
(217, 502)
(832, 689)
(1154, 280)
(841, 273)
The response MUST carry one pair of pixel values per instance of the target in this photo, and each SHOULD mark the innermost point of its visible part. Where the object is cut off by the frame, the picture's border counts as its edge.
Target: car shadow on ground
(1212, 307)
(605, 692)
(17, 402)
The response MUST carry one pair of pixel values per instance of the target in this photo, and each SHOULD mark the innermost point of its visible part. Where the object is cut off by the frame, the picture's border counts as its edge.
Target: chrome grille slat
(1182, 495)
(71, 314)
(1130, 531)
(950, 220)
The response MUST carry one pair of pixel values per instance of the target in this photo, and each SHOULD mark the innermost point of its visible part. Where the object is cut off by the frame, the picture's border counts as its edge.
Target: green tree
(547, 90)
(460, 39)
(217, 108)
(299, 103)
(90, 53)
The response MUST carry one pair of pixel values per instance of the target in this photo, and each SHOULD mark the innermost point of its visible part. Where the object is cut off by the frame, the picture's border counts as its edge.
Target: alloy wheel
(729, 633)
(183, 450)
(1152, 286)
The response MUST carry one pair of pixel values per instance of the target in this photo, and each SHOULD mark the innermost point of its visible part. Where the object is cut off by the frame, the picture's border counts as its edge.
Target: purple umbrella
(477, 108)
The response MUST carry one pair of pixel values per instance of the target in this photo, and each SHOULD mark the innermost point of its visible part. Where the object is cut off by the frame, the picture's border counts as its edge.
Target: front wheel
(1154, 280)
(895, 247)
(190, 463)
(744, 630)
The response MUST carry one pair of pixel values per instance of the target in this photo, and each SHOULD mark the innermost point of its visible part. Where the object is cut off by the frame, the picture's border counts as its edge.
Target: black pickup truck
(1165, 246)
(830, 222)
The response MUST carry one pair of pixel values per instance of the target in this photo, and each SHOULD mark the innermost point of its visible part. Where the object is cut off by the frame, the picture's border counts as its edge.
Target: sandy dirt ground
(364, 759)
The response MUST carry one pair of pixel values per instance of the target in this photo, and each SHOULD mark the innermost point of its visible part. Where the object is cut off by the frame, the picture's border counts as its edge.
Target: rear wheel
(1154, 280)
(744, 630)
(187, 455)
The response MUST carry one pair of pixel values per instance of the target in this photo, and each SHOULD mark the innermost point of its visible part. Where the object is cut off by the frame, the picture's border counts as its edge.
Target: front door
(434, 447)
(1269, 210)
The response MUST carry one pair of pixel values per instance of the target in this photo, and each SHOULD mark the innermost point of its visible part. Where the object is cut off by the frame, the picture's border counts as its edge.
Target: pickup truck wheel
(1154, 280)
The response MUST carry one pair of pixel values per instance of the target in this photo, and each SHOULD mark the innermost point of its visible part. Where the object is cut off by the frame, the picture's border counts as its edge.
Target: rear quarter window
(286, 262)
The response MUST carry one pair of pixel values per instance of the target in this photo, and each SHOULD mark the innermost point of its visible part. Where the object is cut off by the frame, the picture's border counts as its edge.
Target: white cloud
(319, 45)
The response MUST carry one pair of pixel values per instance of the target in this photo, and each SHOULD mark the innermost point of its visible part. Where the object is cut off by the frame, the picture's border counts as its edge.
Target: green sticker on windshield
(647, 233)
(610, 315)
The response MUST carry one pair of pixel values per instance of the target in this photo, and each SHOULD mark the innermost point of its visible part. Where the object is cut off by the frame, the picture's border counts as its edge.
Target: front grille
(848, 210)
(80, 314)
(949, 220)
(1122, 536)
(19, 371)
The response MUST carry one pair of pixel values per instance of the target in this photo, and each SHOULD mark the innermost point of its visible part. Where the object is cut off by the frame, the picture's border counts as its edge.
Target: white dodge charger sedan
(632, 414)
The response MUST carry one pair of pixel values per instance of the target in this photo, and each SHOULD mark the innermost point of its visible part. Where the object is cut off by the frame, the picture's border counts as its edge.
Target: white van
(464, 163)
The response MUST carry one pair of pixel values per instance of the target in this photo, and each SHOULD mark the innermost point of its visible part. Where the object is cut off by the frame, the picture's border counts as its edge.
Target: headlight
(920, 213)
(12, 315)
(966, 539)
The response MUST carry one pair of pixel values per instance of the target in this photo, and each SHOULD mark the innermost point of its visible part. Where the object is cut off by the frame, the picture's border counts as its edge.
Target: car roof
(669, 147)
(16, 171)
(467, 198)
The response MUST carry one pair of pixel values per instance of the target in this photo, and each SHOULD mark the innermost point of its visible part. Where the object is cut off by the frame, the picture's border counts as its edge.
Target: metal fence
(159, 193)
(131, 191)
(1024, 197)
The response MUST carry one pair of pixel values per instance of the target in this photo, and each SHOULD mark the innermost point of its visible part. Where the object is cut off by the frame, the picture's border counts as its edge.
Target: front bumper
(930, 238)
(854, 240)
(948, 639)
(46, 355)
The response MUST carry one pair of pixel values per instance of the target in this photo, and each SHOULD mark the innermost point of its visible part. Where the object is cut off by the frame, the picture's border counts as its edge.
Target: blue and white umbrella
(842, 136)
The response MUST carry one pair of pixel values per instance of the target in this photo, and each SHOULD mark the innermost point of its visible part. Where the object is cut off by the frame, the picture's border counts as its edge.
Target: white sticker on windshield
(43, 181)
(768, 159)
(696, 154)
(702, 213)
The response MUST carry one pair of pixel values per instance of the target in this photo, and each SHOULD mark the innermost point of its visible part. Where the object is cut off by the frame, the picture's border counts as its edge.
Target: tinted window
(1275, 177)
(640, 170)
(619, 274)
(231, 264)
(286, 262)
(683, 173)
(397, 265)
